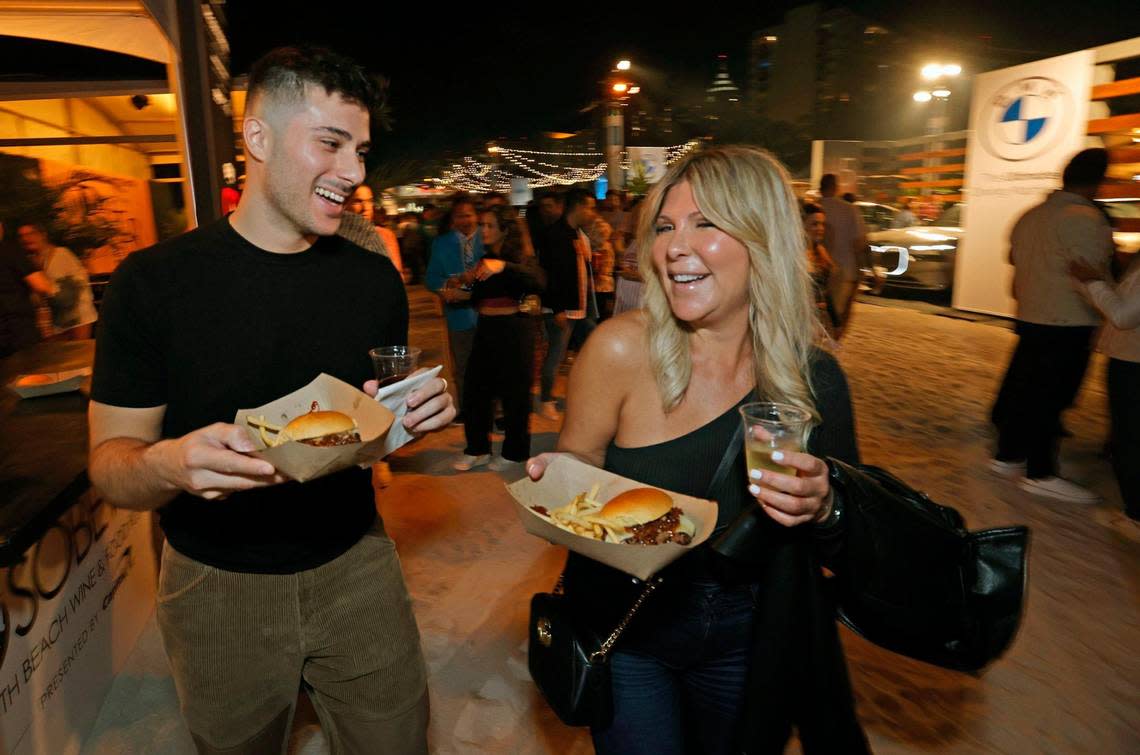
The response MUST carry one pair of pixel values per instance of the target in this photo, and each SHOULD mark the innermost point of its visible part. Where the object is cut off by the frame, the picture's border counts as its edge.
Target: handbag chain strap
(600, 654)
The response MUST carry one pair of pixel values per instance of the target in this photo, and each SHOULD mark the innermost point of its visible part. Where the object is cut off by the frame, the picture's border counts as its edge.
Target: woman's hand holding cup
(791, 486)
(791, 500)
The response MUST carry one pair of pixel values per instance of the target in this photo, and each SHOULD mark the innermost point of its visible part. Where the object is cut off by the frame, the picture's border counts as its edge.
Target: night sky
(477, 74)
(461, 77)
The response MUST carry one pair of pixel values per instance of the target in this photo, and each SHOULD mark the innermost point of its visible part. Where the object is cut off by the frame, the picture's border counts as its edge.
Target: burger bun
(316, 425)
(637, 506)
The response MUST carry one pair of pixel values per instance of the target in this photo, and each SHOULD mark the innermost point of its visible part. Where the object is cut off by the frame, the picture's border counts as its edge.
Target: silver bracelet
(835, 511)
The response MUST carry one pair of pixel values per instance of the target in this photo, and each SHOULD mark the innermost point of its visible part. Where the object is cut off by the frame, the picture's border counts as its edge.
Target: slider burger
(317, 428)
(645, 516)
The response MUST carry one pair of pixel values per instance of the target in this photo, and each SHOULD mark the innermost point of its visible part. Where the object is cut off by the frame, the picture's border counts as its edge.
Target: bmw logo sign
(1026, 118)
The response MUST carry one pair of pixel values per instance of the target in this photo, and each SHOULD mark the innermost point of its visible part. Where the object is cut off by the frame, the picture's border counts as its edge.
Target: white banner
(648, 162)
(71, 612)
(842, 158)
(520, 192)
(1026, 122)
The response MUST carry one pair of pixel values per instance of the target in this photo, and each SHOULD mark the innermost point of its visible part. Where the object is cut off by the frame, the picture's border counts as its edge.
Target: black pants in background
(1043, 378)
(500, 366)
(1124, 408)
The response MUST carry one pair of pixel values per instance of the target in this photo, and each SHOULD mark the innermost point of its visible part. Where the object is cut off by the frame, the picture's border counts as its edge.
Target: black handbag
(568, 662)
(915, 581)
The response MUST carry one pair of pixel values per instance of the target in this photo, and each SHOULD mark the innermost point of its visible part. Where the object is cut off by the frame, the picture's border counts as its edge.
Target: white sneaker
(466, 462)
(550, 411)
(1059, 488)
(1011, 469)
(499, 464)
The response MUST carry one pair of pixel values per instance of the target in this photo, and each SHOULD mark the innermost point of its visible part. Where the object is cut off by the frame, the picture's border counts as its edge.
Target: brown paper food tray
(302, 462)
(565, 478)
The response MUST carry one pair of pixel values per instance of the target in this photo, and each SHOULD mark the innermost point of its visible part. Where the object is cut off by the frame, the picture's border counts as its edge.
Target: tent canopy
(123, 26)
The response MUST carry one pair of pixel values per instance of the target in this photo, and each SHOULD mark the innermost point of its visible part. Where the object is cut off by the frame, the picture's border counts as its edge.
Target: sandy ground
(922, 386)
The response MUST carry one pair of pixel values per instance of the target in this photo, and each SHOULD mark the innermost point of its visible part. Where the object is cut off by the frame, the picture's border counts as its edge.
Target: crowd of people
(520, 293)
(715, 290)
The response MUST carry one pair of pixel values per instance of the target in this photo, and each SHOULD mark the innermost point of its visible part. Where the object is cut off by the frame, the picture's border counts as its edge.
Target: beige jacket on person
(845, 236)
(603, 255)
(1063, 228)
(1120, 337)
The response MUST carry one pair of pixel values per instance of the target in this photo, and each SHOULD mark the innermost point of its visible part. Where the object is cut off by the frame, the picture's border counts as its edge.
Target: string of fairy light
(539, 168)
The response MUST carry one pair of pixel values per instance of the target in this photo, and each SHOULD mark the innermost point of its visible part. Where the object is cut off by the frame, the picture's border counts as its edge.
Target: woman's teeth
(330, 195)
(686, 278)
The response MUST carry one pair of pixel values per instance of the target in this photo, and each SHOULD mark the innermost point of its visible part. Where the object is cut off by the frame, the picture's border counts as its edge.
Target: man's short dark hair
(34, 223)
(828, 183)
(284, 72)
(459, 201)
(553, 196)
(575, 198)
(811, 208)
(1087, 168)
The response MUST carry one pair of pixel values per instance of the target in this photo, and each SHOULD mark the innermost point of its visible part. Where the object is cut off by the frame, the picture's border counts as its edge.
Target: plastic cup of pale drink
(770, 427)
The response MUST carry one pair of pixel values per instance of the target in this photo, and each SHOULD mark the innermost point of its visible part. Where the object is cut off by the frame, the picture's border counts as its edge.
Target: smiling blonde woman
(737, 646)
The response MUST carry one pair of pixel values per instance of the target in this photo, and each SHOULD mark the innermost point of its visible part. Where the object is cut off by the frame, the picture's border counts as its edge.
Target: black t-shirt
(207, 324)
(17, 315)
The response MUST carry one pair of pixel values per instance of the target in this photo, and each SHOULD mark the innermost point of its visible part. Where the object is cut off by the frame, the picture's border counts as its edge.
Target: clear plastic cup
(772, 427)
(394, 363)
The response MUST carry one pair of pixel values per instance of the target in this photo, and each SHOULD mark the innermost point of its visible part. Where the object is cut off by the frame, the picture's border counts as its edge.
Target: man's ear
(258, 137)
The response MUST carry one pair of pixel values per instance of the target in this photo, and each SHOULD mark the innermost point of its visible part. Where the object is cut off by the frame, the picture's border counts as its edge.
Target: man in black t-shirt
(266, 584)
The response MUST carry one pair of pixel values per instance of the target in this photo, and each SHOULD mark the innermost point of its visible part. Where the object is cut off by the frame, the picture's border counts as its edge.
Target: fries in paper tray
(643, 531)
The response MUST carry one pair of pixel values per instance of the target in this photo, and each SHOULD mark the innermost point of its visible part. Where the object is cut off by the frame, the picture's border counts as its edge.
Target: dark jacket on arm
(559, 258)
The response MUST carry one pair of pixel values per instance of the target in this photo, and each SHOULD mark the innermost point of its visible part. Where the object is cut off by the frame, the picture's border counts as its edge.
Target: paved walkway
(922, 385)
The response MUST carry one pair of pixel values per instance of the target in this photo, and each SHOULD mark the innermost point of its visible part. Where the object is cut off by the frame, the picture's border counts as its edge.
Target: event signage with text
(71, 612)
(1025, 124)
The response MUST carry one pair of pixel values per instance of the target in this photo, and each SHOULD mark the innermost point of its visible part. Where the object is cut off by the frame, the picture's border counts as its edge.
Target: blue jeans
(557, 337)
(678, 685)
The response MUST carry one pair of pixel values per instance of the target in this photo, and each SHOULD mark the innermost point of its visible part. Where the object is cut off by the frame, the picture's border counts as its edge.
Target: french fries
(580, 517)
(265, 428)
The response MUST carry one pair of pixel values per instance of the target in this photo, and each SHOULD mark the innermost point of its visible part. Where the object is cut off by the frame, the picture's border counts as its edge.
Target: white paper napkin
(395, 397)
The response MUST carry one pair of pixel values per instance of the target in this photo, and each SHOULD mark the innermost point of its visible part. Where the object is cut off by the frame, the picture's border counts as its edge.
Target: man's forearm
(126, 472)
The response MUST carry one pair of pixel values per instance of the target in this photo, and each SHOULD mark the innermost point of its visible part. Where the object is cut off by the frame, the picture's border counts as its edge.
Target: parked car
(1124, 209)
(922, 257)
(877, 217)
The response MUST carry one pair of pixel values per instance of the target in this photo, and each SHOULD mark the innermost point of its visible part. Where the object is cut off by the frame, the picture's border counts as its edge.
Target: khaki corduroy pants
(241, 645)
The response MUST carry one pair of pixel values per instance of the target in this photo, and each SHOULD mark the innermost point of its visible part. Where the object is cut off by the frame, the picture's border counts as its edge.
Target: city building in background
(722, 97)
(840, 75)
(834, 72)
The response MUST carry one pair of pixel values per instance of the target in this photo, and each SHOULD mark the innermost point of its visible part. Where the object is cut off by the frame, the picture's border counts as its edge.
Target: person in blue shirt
(452, 254)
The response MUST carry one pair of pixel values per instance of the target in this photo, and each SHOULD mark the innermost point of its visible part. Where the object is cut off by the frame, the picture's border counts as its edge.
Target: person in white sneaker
(1055, 326)
(502, 356)
(1120, 342)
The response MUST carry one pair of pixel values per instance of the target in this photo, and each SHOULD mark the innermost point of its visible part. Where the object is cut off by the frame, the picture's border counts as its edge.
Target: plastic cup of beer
(394, 363)
(772, 427)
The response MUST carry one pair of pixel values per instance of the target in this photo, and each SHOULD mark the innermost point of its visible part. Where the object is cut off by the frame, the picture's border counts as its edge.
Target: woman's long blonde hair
(745, 192)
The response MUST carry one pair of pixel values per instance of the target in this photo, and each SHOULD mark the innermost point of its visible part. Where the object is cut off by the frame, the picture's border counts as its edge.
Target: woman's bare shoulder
(619, 342)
